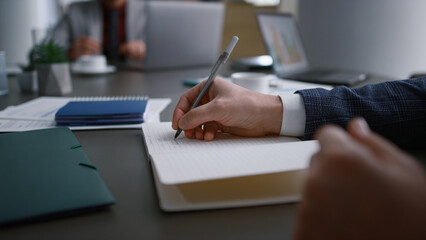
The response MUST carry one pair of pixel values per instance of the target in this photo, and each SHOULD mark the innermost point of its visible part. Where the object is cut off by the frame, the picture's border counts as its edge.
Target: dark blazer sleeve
(395, 109)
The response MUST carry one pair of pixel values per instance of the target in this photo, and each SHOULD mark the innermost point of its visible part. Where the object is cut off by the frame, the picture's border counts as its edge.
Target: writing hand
(360, 186)
(228, 108)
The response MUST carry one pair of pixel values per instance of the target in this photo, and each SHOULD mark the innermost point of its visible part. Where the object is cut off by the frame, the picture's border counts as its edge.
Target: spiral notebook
(102, 111)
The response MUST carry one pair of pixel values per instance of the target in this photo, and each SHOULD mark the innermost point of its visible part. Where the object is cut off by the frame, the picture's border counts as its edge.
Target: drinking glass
(3, 74)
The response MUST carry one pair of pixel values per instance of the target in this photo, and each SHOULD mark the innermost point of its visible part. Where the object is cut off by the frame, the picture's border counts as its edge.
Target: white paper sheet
(42, 108)
(159, 138)
(190, 160)
(40, 113)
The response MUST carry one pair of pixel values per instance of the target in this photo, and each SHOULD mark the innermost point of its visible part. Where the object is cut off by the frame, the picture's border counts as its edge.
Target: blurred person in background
(115, 28)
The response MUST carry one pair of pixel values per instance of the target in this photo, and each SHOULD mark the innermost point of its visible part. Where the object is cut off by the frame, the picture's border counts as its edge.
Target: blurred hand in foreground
(360, 186)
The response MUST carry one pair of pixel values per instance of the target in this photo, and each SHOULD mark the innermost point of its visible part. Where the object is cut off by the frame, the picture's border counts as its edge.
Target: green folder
(44, 173)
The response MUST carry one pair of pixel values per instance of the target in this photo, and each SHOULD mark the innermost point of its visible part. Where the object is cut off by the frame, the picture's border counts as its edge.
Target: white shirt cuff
(294, 115)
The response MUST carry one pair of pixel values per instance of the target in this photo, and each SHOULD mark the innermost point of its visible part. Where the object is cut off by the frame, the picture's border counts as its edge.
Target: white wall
(387, 37)
(17, 18)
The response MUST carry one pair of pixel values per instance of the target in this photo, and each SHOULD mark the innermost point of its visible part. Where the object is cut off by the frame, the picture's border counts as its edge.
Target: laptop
(183, 34)
(284, 43)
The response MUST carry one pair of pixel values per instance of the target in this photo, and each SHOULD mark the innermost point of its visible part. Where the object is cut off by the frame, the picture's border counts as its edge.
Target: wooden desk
(122, 162)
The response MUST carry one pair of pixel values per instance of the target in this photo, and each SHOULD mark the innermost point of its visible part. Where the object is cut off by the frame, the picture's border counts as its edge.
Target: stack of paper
(40, 113)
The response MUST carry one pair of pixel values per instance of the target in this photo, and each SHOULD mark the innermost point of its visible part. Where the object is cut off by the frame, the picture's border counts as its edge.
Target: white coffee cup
(258, 82)
(92, 62)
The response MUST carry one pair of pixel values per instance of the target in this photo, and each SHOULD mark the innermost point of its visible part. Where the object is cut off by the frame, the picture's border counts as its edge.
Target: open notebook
(229, 172)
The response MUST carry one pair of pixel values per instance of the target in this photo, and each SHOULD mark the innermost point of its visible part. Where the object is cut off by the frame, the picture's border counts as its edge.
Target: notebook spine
(110, 98)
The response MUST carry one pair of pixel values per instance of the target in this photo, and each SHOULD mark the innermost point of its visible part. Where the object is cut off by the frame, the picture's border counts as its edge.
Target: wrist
(272, 115)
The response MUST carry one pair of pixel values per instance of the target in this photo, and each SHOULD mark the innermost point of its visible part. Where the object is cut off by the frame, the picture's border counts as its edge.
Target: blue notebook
(102, 112)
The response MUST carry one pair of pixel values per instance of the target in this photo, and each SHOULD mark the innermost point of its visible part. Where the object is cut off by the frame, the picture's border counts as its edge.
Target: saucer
(109, 69)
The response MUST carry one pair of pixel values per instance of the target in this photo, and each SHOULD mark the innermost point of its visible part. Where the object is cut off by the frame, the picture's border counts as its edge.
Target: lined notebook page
(159, 138)
(189, 160)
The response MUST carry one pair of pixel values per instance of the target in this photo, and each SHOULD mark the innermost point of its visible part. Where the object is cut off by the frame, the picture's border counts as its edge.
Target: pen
(222, 60)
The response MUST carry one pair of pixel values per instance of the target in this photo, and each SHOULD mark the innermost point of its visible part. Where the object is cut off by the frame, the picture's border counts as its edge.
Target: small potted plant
(51, 63)
(28, 78)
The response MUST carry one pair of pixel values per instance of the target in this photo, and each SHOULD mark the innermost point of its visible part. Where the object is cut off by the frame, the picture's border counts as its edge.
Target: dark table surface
(122, 162)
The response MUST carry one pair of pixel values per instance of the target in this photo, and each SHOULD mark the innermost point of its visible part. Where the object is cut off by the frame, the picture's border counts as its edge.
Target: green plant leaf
(49, 53)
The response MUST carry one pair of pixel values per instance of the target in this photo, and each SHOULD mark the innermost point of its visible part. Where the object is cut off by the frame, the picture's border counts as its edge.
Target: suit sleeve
(395, 109)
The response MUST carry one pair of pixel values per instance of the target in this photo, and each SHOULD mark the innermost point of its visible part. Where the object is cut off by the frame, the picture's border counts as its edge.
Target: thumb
(198, 116)
(332, 137)
(360, 130)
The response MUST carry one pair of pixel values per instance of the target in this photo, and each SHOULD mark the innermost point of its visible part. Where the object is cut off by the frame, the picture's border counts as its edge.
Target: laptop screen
(283, 42)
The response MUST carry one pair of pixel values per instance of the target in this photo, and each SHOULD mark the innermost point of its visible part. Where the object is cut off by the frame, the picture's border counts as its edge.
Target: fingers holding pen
(206, 132)
(199, 91)
(200, 115)
(185, 103)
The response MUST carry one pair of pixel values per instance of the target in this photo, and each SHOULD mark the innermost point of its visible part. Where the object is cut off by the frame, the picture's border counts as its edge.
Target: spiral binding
(110, 98)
